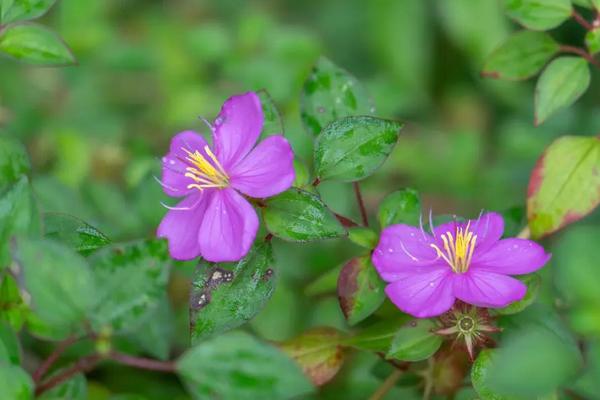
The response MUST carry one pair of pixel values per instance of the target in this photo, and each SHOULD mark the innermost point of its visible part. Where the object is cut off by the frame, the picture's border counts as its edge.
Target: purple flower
(458, 260)
(214, 220)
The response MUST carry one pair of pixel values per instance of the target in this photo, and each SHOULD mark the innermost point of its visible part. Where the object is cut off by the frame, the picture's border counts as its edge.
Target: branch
(84, 364)
(582, 21)
(361, 204)
(387, 385)
(55, 355)
(347, 222)
(143, 363)
(580, 52)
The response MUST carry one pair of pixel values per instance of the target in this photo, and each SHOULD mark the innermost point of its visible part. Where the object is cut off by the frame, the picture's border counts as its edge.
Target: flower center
(457, 251)
(204, 173)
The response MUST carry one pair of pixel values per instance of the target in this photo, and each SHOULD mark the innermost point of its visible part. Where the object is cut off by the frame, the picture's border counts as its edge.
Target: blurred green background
(149, 68)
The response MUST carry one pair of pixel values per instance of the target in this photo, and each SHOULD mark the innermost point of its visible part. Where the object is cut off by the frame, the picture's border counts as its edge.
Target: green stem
(387, 385)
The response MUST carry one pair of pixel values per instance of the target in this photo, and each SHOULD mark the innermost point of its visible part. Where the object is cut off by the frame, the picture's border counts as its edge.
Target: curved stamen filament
(457, 252)
(204, 173)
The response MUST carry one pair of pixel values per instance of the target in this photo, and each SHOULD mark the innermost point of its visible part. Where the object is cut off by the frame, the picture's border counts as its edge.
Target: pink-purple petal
(512, 257)
(402, 246)
(267, 170)
(488, 228)
(229, 227)
(488, 289)
(181, 225)
(237, 128)
(173, 179)
(423, 293)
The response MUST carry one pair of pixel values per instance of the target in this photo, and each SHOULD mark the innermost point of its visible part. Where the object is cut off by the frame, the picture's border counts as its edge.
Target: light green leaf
(23, 10)
(377, 337)
(273, 123)
(324, 284)
(331, 93)
(236, 366)
(10, 348)
(415, 341)
(363, 237)
(400, 207)
(155, 333)
(131, 280)
(16, 384)
(299, 216)
(318, 353)
(564, 185)
(560, 85)
(14, 162)
(521, 56)
(225, 296)
(14, 310)
(479, 373)
(533, 282)
(73, 232)
(360, 289)
(59, 282)
(35, 44)
(352, 148)
(592, 41)
(539, 15)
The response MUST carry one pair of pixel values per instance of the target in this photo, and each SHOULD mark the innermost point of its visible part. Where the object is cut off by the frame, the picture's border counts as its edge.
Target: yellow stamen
(458, 252)
(203, 173)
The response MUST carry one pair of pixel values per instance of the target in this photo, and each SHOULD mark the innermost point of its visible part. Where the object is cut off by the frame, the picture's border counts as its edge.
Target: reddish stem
(143, 363)
(84, 364)
(55, 355)
(361, 204)
(316, 182)
(580, 52)
(582, 21)
(347, 222)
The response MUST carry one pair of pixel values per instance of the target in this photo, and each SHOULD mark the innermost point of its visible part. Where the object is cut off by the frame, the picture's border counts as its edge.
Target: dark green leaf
(300, 216)
(360, 289)
(236, 366)
(22, 10)
(225, 296)
(10, 349)
(15, 383)
(401, 207)
(415, 341)
(14, 162)
(377, 337)
(521, 56)
(14, 310)
(539, 14)
(71, 389)
(59, 282)
(533, 282)
(479, 373)
(560, 85)
(318, 353)
(131, 280)
(352, 148)
(35, 44)
(73, 232)
(331, 93)
(155, 333)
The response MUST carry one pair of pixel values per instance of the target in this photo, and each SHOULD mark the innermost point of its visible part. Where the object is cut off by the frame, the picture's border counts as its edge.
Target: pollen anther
(457, 252)
(204, 173)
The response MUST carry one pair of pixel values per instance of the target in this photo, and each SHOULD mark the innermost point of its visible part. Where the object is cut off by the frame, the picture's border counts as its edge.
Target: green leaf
(324, 284)
(14, 310)
(533, 282)
(16, 384)
(592, 41)
(236, 366)
(564, 185)
(226, 295)
(35, 44)
(560, 85)
(360, 289)
(377, 337)
(415, 341)
(352, 148)
(302, 174)
(521, 56)
(273, 123)
(539, 15)
(155, 334)
(400, 207)
(299, 216)
(331, 93)
(73, 232)
(10, 349)
(318, 353)
(59, 282)
(131, 280)
(532, 362)
(479, 373)
(14, 162)
(23, 10)
(364, 237)
(74, 388)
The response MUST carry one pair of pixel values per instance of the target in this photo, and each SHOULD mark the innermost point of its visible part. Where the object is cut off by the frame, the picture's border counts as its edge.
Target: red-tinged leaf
(360, 289)
(318, 352)
(564, 185)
